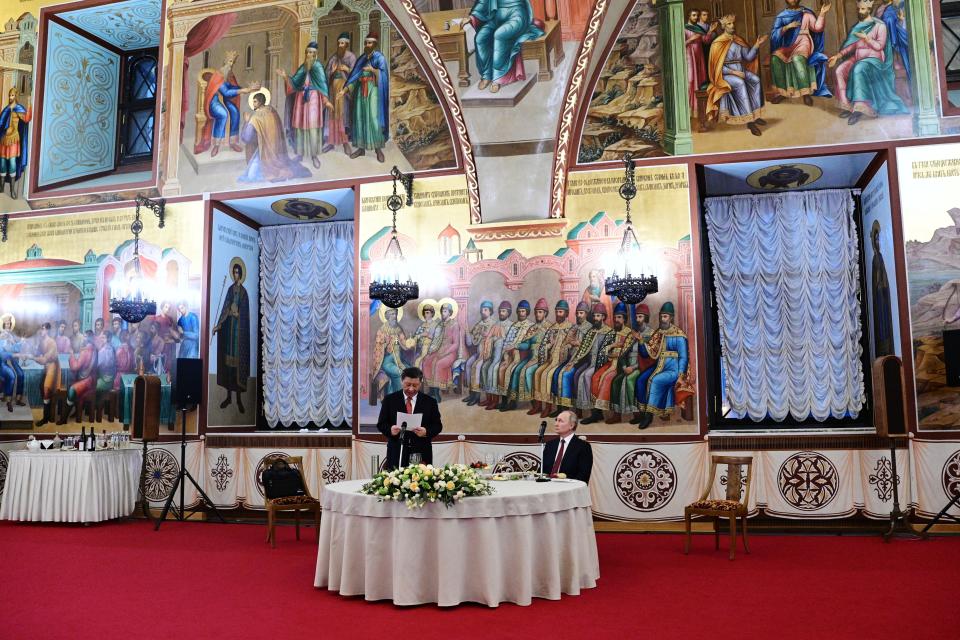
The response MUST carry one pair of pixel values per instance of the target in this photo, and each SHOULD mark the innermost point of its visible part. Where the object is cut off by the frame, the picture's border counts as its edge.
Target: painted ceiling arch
(512, 102)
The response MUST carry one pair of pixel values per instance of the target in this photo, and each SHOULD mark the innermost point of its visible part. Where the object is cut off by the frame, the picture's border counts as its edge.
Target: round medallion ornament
(951, 475)
(162, 470)
(784, 176)
(304, 209)
(266, 461)
(519, 462)
(645, 480)
(808, 481)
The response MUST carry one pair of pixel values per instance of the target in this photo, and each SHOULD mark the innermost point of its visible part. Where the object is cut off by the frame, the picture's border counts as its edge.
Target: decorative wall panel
(130, 25)
(79, 127)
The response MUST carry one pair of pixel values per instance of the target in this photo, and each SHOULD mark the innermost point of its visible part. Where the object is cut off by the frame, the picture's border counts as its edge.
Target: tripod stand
(943, 514)
(899, 526)
(180, 479)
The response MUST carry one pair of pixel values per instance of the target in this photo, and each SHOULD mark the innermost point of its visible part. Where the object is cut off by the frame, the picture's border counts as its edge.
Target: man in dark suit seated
(575, 457)
(409, 400)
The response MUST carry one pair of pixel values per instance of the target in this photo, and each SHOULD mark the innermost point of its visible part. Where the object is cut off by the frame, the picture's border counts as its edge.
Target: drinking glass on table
(415, 458)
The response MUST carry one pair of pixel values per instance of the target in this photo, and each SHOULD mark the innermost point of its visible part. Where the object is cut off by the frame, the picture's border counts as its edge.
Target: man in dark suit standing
(568, 454)
(409, 400)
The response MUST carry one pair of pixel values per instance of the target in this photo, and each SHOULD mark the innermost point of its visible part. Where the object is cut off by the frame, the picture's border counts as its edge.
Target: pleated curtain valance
(306, 293)
(786, 270)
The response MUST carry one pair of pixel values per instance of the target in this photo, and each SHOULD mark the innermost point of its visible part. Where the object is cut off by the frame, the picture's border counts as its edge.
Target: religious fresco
(764, 74)
(513, 324)
(929, 179)
(18, 46)
(626, 109)
(232, 378)
(67, 362)
(277, 110)
(882, 296)
(265, 103)
(510, 63)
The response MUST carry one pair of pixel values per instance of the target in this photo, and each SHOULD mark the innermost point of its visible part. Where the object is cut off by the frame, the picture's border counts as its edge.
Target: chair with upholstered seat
(730, 507)
(296, 504)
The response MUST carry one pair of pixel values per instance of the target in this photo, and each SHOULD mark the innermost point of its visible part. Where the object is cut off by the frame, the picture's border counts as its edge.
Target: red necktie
(556, 462)
(409, 406)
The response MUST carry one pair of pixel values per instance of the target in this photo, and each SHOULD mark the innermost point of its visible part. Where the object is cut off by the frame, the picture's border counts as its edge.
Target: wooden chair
(296, 504)
(58, 404)
(107, 402)
(731, 507)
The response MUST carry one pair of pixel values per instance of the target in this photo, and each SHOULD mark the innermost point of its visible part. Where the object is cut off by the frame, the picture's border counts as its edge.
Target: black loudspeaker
(951, 356)
(189, 380)
(889, 399)
(145, 418)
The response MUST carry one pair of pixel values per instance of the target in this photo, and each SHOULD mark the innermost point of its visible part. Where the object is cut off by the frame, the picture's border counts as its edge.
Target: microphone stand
(403, 440)
(543, 445)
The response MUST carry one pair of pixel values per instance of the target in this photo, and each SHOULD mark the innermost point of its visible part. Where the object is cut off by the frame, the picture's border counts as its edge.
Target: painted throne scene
(264, 105)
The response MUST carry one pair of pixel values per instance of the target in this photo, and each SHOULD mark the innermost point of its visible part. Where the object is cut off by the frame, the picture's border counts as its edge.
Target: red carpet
(199, 580)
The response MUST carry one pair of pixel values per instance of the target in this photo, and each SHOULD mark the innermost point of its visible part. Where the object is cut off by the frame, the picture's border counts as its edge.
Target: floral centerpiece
(418, 484)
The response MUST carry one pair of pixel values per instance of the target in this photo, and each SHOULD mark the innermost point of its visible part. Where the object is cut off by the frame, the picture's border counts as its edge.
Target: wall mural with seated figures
(685, 77)
(66, 361)
(513, 324)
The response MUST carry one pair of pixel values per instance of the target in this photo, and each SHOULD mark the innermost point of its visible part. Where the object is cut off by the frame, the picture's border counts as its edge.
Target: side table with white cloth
(526, 540)
(71, 486)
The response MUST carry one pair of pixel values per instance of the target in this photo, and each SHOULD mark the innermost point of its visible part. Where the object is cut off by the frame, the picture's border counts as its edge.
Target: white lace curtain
(306, 306)
(786, 272)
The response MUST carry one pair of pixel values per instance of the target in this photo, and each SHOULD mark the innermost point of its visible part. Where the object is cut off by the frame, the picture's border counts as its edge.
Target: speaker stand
(899, 525)
(943, 514)
(180, 480)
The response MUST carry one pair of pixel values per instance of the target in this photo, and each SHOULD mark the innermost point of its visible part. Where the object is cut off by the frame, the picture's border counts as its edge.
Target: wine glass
(415, 458)
(488, 460)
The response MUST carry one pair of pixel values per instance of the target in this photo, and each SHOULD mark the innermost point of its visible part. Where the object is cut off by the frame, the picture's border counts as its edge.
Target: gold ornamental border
(561, 159)
(456, 111)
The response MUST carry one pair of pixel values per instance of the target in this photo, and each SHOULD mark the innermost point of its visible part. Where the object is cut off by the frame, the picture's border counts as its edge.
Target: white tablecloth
(71, 486)
(527, 540)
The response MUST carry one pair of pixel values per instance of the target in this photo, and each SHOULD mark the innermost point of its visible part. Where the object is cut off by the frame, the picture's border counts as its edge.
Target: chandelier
(133, 307)
(392, 282)
(628, 282)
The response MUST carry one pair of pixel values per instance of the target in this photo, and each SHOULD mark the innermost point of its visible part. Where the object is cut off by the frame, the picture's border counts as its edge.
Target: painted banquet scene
(372, 310)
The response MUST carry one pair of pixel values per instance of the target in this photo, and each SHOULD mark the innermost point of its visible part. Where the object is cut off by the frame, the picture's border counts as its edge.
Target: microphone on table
(543, 430)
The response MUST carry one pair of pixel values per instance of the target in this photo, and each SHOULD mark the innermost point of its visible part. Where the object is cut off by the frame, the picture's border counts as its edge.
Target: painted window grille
(138, 107)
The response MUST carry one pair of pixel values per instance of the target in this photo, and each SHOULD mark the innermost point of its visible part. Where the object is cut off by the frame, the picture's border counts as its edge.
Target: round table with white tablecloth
(527, 540)
(71, 486)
